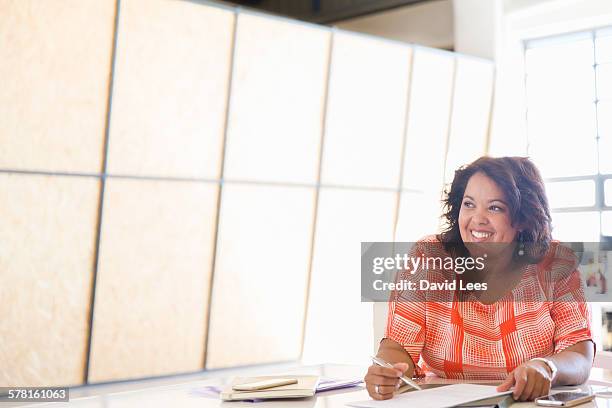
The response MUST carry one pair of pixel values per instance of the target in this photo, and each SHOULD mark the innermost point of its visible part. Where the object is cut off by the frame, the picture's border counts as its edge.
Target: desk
(178, 391)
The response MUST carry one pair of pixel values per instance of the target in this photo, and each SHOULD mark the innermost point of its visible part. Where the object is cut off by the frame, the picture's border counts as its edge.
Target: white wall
(540, 18)
(429, 24)
(476, 27)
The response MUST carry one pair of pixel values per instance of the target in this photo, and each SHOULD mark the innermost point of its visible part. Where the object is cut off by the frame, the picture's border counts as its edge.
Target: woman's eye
(496, 208)
(468, 204)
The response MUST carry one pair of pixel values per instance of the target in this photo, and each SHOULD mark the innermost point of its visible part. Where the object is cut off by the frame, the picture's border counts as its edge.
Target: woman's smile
(480, 235)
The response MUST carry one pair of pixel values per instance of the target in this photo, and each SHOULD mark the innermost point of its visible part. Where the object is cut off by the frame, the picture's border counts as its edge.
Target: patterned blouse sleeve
(569, 309)
(406, 321)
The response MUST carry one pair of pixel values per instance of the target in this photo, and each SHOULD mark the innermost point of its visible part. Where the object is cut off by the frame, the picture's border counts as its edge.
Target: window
(568, 82)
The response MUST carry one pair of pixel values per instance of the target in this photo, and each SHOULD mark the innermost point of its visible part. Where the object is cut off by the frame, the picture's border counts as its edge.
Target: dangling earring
(521, 250)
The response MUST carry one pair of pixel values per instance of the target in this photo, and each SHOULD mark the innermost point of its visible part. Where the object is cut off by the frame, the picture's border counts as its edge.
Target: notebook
(305, 387)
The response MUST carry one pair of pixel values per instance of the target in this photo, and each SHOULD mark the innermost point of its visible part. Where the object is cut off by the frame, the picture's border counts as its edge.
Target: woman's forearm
(393, 352)
(574, 363)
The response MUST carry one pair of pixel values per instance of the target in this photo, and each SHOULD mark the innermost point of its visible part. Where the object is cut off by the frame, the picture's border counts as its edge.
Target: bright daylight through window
(568, 81)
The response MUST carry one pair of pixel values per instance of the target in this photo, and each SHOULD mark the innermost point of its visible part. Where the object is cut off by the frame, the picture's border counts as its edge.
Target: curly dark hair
(523, 186)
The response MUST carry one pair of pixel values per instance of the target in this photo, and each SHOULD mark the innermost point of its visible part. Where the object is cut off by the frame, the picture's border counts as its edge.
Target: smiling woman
(498, 200)
(530, 328)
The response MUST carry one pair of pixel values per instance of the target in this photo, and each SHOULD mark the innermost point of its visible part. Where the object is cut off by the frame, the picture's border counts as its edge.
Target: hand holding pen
(383, 378)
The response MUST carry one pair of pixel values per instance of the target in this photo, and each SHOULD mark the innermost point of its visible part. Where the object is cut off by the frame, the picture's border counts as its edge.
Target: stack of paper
(329, 384)
(305, 387)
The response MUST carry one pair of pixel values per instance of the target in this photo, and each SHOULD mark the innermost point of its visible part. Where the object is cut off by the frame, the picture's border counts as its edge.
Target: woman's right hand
(382, 382)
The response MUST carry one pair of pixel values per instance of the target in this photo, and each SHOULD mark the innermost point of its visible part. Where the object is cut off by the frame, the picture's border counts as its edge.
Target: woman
(529, 329)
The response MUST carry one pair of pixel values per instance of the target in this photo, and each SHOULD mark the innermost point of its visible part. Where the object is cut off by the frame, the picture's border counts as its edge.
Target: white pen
(379, 361)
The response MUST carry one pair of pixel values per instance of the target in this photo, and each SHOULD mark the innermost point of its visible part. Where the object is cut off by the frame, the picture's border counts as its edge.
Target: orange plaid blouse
(544, 314)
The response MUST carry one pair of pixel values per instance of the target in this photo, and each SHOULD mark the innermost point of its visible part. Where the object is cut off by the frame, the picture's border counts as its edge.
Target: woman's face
(484, 216)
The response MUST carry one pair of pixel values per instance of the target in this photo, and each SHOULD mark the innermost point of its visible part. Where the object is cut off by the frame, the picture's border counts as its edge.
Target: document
(440, 397)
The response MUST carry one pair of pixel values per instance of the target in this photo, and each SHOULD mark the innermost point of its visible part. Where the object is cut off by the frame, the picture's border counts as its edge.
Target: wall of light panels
(182, 182)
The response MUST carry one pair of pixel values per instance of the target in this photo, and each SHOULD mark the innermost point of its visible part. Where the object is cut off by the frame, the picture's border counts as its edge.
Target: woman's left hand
(530, 380)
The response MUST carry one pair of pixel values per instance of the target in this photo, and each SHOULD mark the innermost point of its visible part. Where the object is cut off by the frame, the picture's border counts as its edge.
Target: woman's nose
(480, 218)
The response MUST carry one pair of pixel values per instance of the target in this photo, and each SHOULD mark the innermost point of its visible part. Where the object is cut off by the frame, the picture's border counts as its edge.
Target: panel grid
(351, 188)
(102, 190)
